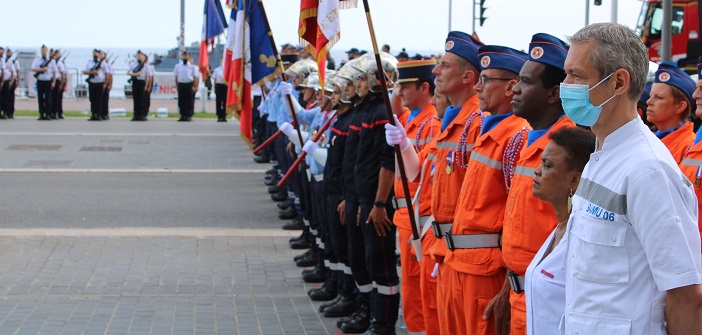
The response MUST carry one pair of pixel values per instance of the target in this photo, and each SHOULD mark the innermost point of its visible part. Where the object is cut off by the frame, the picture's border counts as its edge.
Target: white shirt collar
(622, 133)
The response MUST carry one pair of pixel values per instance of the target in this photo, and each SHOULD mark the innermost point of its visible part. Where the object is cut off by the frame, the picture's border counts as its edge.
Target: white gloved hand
(396, 135)
(310, 147)
(260, 107)
(435, 272)
(286, 128)
(286, 88)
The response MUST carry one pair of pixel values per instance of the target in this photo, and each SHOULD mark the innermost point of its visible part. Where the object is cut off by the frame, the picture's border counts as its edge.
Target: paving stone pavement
(153, 285)
(125, 271)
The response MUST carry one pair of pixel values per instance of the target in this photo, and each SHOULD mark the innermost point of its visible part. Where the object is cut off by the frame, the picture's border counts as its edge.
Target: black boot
(274, 189)
(278, 197)
(300, 244)
(262, 159)
(302, 255)
(322, 294)
(318, 276)
(380, 329)
(344, 307)
(287, 214)
(329, 303)
(359, 323)
(272, 181)
(301, 237)
(295, 224)
(309, 260)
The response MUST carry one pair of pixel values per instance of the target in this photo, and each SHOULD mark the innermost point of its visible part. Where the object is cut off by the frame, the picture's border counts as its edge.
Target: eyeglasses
(485, 79)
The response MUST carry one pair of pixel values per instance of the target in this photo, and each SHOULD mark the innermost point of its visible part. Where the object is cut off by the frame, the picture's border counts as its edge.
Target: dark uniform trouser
(56, 100)
(44, 97)
(257, 125)
(356, 247)
(221, 101)
(5, 98)
(138, 97)
(339, 242)
(270, 129)
(147, 103)
(104, 113)
(382, 264)
(327, 259)
(11, 101)
(186, 101)
(95, 94)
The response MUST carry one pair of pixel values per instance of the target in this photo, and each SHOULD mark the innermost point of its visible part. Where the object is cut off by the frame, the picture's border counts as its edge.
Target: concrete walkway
(143, 228)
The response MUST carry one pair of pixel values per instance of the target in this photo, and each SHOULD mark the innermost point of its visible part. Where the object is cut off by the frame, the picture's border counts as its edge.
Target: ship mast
(181, 39)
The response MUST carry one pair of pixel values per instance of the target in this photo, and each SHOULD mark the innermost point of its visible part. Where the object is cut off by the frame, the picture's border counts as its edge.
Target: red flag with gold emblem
(319, 28)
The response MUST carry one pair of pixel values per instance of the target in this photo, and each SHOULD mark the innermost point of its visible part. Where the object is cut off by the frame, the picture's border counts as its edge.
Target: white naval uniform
(186, 73)
(9, 69)
(47, 75)
(544, 288)
(218, 75)
(632, 236)
(61, 69)
(100, 77)
(16, 64)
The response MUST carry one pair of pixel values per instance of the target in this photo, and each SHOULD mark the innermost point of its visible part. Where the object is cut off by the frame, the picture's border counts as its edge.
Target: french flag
(213, 25)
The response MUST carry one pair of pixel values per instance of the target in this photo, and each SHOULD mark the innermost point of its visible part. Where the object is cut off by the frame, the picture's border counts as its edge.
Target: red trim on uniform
(342, 133)
(376, 123)
(354, 128)
(552, 44)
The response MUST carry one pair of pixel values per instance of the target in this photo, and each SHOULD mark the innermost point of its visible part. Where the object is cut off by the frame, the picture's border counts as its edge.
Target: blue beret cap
(646, 93)
(463, 45)
(548, 50)
(499, 57)
(699, 68)
(672, 75)
(415, 70)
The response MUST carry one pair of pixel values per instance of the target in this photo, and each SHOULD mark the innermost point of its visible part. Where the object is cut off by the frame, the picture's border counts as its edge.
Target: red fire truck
(687, 35)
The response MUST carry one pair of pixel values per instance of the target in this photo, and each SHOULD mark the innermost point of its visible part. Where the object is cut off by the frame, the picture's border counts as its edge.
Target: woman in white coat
(555, 181)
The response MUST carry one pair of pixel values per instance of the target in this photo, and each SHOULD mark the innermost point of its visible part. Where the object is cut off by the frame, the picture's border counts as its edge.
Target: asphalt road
(115, 174)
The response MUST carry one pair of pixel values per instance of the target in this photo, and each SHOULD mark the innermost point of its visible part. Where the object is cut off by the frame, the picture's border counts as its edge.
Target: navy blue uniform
(333, 178)
(373, 153)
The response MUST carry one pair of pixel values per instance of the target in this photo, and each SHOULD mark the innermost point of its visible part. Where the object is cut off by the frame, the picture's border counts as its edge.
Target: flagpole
(391, 120)
(282, 72)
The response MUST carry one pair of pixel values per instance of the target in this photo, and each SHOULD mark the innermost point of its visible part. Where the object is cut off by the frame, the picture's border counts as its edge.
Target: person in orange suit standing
(669, 107)
(691, 165)
(448, 155)
(528, 221)
(416, 88)
(472, 272)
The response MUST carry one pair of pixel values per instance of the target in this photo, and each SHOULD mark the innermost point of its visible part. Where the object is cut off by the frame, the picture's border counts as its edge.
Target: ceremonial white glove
(435, 272)
(310, 147)
(260, 107)
(286, 128)
(396, 135)
(286, 88)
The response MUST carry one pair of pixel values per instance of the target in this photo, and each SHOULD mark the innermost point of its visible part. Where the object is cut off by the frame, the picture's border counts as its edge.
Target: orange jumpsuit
(679, 141)
(444, 188)
(528, 221)
(691, 166)
(427, 126)
(470, 278)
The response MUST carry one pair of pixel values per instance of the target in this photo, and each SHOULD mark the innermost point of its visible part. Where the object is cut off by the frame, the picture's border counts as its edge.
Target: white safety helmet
(369, 67)
(347, 75)
(301, 69)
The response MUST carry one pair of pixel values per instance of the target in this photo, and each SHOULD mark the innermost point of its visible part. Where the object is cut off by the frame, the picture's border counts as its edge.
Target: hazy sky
(412, 24)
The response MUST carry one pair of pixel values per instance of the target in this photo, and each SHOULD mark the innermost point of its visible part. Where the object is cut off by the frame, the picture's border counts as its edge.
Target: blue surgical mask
(575, 99)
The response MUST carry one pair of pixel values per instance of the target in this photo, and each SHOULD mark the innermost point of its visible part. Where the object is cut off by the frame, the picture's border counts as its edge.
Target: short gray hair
(616, 47)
